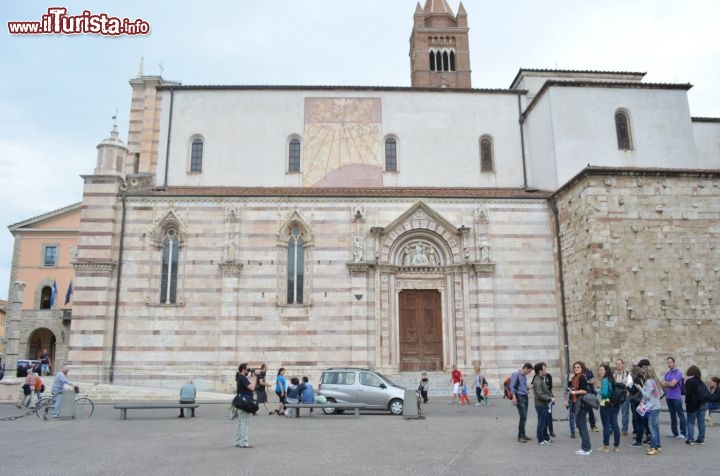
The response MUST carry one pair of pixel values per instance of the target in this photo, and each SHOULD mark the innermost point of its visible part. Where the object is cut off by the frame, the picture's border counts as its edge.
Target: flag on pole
(53, 295)
(69, 292)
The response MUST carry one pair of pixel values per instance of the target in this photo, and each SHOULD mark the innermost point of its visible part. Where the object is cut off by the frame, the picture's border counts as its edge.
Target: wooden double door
(420, 330)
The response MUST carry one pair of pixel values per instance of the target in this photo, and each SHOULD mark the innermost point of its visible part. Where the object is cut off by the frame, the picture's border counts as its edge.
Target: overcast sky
(59, 92)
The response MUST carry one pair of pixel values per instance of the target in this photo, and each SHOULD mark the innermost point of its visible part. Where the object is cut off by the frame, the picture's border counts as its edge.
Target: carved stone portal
(419, 254)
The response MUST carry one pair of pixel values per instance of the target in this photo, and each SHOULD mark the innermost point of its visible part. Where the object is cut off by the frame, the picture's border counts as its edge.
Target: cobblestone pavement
(452, 440)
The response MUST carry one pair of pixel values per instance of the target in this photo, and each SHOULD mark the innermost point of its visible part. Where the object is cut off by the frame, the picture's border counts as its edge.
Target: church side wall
(570, 128)
(246, 134)
(223, 318)
(584, 129)
(640, 255)
(707, 139)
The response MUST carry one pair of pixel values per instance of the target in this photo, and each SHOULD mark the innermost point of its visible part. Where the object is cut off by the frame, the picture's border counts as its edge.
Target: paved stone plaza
(452, 440)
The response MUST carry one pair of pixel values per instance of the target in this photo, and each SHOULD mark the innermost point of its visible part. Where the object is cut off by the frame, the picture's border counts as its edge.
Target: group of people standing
(255, 381)
(637, 392)
(460, 390)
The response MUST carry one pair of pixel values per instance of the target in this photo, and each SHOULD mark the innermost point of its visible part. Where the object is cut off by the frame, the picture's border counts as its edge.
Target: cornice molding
(88, 267)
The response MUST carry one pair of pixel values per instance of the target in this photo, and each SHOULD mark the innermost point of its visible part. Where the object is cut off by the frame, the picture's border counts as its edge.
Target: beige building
(45, 247)
(401, 229)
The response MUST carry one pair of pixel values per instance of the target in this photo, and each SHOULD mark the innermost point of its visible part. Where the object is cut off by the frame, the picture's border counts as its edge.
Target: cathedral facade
(571, 216)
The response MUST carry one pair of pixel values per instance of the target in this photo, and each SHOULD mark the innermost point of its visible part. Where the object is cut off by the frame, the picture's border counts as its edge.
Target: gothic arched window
(169, 271)
(295, 267)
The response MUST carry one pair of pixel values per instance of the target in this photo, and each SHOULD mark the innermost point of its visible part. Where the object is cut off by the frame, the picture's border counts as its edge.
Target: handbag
(26, 390)
(245, 403)
(591, 400)
(642, 408)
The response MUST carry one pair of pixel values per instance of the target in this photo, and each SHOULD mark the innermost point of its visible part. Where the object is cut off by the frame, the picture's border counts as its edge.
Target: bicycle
(84, 407)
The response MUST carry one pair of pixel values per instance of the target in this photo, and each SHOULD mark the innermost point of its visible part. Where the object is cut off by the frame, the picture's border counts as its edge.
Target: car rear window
(338, 378)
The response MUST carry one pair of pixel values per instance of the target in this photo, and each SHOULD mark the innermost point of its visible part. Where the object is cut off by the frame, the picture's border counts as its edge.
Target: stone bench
(124, 407)
(336, 406)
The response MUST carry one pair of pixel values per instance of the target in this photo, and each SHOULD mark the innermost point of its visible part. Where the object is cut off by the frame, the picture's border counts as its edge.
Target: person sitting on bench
(187, 395)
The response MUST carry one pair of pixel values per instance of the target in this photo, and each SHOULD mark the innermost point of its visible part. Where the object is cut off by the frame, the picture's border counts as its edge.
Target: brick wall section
(641, 254)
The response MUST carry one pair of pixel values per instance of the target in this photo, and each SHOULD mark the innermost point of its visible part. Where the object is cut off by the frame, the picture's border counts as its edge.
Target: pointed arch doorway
(421, 340)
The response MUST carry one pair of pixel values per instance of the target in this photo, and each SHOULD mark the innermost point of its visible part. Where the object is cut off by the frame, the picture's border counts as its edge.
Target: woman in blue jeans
(608, 412)
(578, 388)
(651, 401)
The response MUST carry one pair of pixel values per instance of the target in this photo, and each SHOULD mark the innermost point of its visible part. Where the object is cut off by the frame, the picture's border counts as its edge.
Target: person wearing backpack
(609, 410)
(697, 396)
(673, 385)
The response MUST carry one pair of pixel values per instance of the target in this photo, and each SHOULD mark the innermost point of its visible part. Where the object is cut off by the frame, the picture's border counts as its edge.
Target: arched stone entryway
(39, 339)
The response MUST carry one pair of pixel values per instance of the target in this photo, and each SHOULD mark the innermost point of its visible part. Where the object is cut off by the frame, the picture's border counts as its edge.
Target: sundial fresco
(342, 142)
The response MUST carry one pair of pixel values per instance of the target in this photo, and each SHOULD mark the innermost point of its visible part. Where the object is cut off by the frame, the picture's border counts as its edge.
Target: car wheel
(330, 411)
(396, 406)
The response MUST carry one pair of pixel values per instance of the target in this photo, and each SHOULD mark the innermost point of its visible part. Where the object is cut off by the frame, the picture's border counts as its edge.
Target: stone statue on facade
(484, 252)
(357, 249)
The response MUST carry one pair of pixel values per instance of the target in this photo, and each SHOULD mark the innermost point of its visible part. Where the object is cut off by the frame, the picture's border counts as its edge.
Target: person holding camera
(245, 388)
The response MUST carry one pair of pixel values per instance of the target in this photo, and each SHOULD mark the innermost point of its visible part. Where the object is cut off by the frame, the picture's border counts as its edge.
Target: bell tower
(439, 48)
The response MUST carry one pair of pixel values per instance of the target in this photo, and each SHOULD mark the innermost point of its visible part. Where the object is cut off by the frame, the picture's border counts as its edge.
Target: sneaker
(652, 452)
(478, 404)
(681, 437)
(624, 433)
(616, 449)
(689, 442)
(522, 440)
(595, 429)
(605, 449)
(699, 442)
(635, 444)
(552, 435)
(572, 435)
(546, 442)
(56, 416)
(582, 453)
(670, 435)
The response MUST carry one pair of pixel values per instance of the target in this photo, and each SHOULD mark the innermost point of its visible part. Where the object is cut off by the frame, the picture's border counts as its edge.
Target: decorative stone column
(12, 329)
(10, 385)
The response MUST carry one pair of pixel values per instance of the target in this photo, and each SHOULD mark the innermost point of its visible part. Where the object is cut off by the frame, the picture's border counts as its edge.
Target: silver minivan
(352, 385)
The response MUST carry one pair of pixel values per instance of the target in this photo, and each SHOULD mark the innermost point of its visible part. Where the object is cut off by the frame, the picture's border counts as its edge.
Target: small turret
(111, 155)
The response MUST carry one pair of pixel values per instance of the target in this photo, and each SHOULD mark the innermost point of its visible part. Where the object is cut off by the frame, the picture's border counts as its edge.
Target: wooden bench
(124, 407)
(336, 406)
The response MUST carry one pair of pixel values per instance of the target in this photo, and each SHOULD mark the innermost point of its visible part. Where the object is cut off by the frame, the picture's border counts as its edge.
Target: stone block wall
(641, 261)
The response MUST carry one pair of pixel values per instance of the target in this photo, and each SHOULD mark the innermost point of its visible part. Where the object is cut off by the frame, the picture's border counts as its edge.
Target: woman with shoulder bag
(608, 411)
(651, 403)
(578, 388)
(635, 397)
